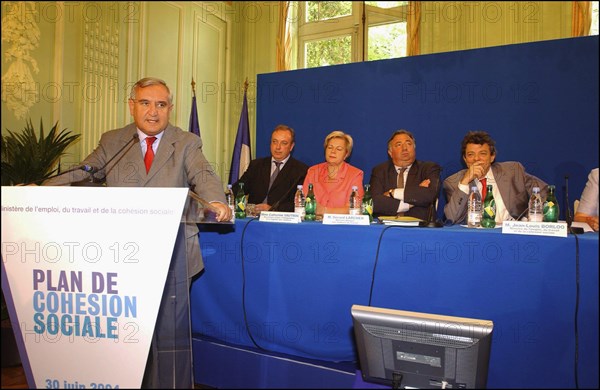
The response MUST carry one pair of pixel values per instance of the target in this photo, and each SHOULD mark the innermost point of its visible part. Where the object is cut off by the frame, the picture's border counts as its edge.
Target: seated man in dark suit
(403, 185)
(511, 185)
(286, 171)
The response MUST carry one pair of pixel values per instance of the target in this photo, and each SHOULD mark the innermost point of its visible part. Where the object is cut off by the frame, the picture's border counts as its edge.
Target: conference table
(286, 290)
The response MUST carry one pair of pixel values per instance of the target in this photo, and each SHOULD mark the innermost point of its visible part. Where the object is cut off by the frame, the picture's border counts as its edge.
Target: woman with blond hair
(333, 179)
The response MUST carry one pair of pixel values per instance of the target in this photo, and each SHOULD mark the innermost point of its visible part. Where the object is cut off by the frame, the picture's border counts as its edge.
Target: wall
(459, 25)
(538, 100)
(90, 53)
(220, 44)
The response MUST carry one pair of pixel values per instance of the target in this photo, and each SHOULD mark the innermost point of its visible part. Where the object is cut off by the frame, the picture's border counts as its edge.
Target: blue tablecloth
(292, 286)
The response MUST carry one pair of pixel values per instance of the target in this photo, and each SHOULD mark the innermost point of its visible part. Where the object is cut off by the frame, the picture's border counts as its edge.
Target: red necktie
(483, 188)
(149, 153)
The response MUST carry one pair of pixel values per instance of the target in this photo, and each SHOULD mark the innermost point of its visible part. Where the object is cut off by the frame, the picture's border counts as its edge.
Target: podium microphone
(87, 168)
(569, 217)
(93, 170)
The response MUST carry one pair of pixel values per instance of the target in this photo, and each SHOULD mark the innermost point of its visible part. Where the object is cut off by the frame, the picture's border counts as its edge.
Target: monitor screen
(405, 349)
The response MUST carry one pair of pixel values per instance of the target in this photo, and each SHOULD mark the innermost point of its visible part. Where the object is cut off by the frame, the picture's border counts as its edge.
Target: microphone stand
(86, 168)
(433, 222)
(93, 181)
(568, 216)
(276, 204)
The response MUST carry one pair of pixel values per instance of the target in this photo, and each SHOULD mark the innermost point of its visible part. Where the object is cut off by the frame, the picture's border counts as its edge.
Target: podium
(84, 270)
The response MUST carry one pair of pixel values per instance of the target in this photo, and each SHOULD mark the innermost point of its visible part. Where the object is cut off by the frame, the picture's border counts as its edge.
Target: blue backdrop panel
(539, 101)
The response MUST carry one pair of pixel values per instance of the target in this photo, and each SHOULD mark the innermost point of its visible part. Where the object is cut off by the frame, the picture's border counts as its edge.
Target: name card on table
(551, 229)
(279, 216)
(345, 219)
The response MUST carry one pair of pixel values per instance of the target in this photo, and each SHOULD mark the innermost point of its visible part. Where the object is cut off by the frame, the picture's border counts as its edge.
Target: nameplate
(551, 229)
(279, 216)
(345, 219)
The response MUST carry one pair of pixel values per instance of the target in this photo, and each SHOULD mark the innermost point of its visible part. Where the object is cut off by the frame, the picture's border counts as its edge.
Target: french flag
(241, 151)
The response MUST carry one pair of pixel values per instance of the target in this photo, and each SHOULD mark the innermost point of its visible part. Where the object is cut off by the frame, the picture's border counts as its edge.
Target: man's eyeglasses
(160, 106)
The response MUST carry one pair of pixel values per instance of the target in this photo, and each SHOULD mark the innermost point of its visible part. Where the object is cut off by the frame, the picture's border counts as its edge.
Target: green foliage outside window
(329, 52)
(387, 41)
(322, 10)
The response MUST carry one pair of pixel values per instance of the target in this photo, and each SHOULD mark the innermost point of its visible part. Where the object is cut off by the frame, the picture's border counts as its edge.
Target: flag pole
(241, 150)
(194, 126)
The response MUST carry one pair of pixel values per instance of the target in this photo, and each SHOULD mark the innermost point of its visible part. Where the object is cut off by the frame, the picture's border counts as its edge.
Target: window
(594, 26)
(340, 32)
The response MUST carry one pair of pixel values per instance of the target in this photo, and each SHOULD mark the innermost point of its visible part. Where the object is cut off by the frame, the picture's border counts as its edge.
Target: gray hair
(146, 82)
(401, 131)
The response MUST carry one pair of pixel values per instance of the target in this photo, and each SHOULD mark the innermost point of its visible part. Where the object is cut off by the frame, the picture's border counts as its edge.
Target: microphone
(93, 181)
(86, 168)
(431, 221)
(522, 214)
(569, 217)
(276, 204)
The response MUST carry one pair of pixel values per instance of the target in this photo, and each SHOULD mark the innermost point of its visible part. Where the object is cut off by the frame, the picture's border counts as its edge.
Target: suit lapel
(500, 183)
(412, 173)
(163, 154)
(131, 154)
(392, 179)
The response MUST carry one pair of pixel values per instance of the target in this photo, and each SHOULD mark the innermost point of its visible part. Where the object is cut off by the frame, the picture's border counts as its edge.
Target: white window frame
(350, 25)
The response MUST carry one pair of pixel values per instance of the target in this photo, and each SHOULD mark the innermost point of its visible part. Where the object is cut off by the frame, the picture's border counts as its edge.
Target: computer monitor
(405, 349)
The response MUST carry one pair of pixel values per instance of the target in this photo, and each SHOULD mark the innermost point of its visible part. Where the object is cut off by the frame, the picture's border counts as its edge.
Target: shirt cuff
(464, 188)
(403, 207)
(398, 193)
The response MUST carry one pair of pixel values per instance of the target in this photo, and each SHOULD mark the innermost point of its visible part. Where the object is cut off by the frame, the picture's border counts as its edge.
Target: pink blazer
(333, 193)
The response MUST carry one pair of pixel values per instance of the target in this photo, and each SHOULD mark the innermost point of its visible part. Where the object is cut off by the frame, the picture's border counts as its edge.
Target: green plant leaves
(27, 158)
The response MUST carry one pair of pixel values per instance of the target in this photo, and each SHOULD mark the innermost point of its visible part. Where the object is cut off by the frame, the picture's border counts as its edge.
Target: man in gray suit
(511, 185)
(166, 156)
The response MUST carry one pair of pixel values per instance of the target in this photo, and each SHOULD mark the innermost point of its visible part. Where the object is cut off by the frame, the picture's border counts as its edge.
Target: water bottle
(310, 205)
(355, 202)
(367, 203)
(551, 206)
(536, 206)
(488, 218)
(230, 197)
(240, 202)
(474, 208)
(299, 202)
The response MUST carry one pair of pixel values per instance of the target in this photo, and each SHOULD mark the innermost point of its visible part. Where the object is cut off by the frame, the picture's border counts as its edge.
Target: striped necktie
(275, 172)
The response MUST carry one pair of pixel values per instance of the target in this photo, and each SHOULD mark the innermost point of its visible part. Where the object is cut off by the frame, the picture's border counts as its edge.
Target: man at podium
(165, 156)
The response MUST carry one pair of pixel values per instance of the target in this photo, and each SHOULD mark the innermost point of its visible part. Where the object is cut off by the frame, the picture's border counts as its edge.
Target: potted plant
(28, 159)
